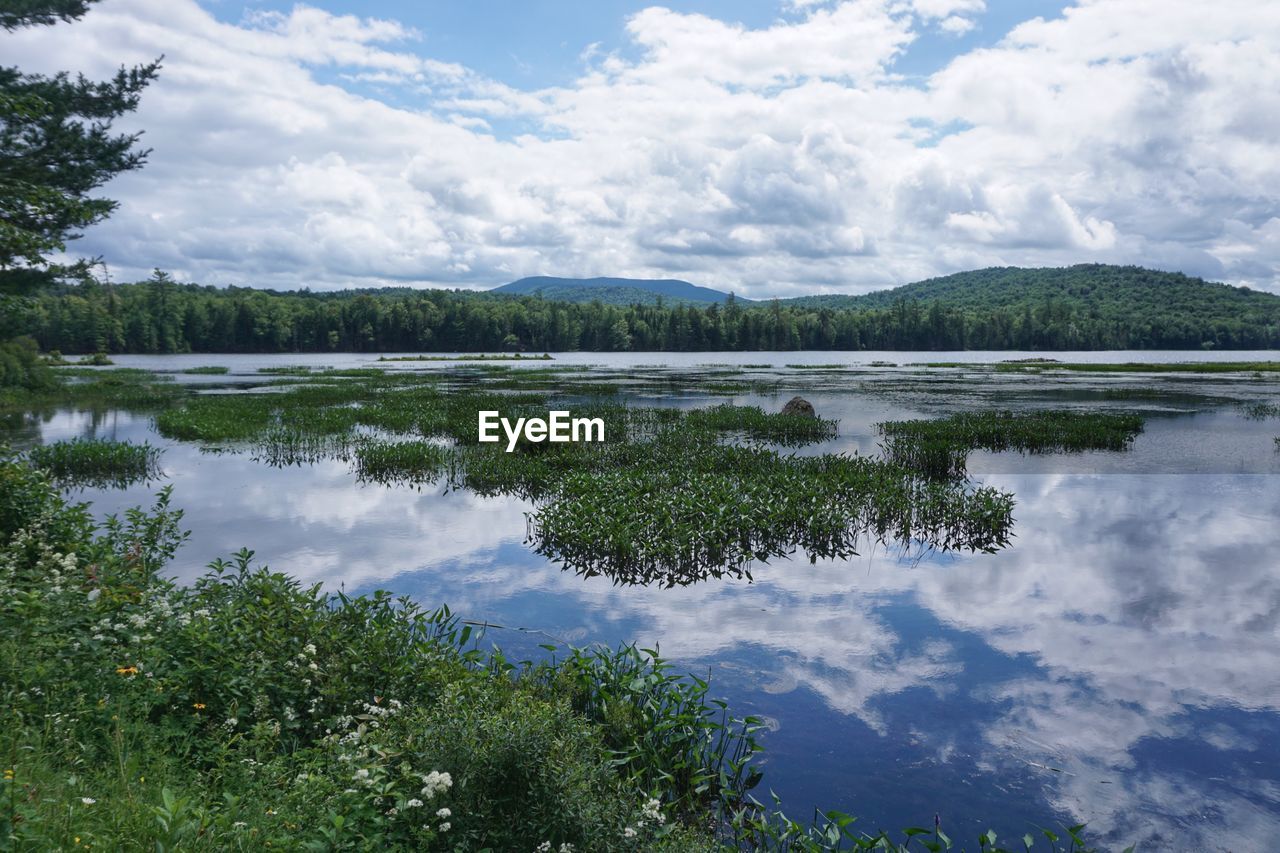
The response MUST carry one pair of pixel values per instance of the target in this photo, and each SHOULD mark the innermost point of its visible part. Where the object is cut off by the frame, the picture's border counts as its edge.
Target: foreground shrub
(248, 710)
(21, 367)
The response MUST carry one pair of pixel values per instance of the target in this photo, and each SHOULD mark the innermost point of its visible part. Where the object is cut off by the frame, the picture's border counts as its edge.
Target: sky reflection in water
(1116, 665)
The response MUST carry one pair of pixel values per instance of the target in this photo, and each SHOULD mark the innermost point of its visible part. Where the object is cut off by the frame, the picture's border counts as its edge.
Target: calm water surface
(1117, 665)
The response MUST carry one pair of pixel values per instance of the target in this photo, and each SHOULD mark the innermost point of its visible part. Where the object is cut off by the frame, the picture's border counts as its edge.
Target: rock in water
(799, 406)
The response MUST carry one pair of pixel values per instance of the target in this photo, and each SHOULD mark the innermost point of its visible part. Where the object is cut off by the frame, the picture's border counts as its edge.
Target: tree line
(163, 316)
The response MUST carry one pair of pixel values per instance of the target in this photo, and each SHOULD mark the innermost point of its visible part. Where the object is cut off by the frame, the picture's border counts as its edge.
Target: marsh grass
(939, 448)
(412, 462)
(86, 388)
(754, 423)
(207, 370)
(470, 357)
(1158, 367)
(718, 507)
(1260, 411)
(693, 512)
(97, 463)
(287, 370)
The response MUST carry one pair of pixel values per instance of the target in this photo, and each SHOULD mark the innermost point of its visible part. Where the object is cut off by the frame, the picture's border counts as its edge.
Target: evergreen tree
(56, 149)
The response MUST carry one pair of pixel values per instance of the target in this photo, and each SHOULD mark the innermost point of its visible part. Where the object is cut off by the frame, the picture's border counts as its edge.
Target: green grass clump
(85, 388)
(286, 370)
(400, 461)
(1162, 367)
(208, 370)
(475, 357)
(692, 513)
(939, 448)
(220, 417)
(97, 463)
(753, 422)
(1260, 411)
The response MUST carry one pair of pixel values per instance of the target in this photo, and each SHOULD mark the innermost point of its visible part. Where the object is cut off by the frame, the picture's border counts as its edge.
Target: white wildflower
(629, 832)
(444, 813)
(88, 801)
(362, 773)
(444, 827)
(544, 847)
(435, 782)
(309, 648)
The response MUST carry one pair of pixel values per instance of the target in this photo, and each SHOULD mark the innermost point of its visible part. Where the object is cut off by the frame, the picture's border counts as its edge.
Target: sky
(766, 148)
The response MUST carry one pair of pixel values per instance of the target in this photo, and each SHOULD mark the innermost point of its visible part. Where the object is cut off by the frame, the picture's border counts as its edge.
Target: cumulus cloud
(308, 148)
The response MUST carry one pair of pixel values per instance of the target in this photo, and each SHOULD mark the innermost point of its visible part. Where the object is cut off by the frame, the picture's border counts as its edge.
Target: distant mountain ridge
(615, 291)
(1089, 289)
(1082, 286)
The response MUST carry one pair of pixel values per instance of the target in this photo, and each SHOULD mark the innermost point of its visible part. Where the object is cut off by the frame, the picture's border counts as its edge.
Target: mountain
(1094, 290)
(615, 291)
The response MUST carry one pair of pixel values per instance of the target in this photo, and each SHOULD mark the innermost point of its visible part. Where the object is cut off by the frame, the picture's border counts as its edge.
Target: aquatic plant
(470, 357)
(1162, 367)
(683, 517)
(940, 447)
(414, 462)
(753, 422)
(1260, 411)
(222, 417)
(97, 463)
(207, 370)
(88, 388)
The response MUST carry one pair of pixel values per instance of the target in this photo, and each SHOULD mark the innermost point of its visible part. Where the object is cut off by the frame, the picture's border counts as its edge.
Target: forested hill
(1089, 289)
(1076, 308)
(614, 291)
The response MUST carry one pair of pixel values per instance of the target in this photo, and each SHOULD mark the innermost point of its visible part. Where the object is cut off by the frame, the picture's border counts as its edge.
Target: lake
(1116, 665)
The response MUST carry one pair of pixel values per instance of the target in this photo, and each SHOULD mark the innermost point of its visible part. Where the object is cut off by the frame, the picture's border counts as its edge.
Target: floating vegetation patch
(1260, 411)
(670, 494)
(1169, 367)
(208, 370)
(686, 516)
(97, 463)
(285, 446)
(413, 462)
(286, 370)
(222, 417)
(86, 388)
(819, 366)
(754, 423)
(546, 356)
(939, 448)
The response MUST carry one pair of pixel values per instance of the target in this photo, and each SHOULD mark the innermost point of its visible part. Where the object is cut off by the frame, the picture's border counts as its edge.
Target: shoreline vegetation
(157, 714)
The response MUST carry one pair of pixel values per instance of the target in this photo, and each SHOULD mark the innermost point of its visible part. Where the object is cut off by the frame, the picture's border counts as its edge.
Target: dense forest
(1134, 309)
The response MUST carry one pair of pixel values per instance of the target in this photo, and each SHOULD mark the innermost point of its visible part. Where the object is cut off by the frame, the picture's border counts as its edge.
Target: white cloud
(780, 160)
